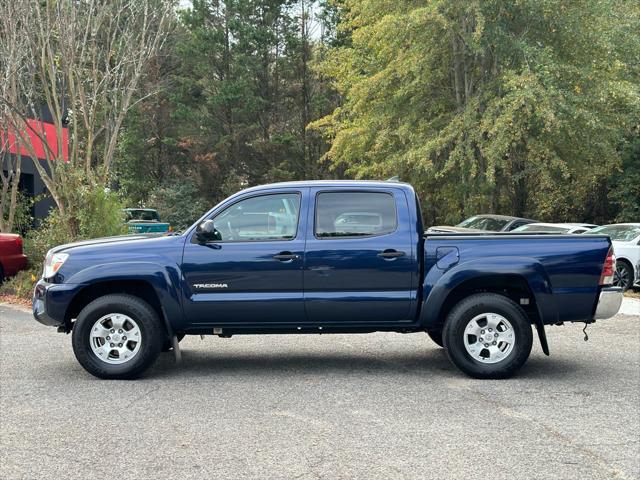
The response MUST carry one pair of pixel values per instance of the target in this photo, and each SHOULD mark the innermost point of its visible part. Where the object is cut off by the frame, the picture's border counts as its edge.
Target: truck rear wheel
(488, 336)
(117, 337)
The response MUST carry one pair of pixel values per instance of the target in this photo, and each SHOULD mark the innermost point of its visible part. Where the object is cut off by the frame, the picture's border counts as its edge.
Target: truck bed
(561, 272)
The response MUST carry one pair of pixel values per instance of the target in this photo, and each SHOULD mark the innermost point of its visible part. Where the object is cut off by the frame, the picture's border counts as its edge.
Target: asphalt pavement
(385, 405)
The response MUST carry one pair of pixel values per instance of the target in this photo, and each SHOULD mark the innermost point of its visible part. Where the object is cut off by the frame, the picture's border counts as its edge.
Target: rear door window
(354, 214)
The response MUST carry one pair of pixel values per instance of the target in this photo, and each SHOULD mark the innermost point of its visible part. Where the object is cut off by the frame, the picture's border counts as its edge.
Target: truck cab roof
(331, 183)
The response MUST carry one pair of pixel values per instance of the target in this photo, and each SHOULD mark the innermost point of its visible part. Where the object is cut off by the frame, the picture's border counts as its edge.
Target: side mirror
(206, 232)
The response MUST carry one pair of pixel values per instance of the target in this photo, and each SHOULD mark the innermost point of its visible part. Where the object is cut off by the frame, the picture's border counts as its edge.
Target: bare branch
(83, 62)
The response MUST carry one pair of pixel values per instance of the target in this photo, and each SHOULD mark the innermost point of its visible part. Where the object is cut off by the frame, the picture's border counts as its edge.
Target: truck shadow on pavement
(430, 363)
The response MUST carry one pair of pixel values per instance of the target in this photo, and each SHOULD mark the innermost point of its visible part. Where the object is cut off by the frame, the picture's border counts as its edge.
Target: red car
(11, 257)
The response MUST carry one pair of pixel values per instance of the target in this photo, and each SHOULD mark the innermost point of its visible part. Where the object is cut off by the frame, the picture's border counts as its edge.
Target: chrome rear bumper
(609, 303)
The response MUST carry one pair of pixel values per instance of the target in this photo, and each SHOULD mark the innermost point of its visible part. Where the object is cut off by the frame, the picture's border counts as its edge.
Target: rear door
(360, 262)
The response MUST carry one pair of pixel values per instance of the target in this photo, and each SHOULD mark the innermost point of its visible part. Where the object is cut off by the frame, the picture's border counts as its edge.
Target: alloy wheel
(115, 338)
(489, 338)
(622, 276)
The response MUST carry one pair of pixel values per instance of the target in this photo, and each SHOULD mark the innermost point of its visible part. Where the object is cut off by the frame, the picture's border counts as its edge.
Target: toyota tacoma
(321, 257)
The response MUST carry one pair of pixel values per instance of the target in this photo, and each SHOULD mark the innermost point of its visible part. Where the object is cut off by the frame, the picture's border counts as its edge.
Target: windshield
(142, 215)
(484, 223)
(532, 227)
(621, 233)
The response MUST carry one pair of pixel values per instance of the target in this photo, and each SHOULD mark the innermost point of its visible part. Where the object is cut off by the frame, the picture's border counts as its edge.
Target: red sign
(41, 136)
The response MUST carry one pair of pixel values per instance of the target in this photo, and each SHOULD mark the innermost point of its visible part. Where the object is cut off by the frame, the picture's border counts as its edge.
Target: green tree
(514, 107)
(179, 204)
(238, 93)
(247, 80)
(625, 184)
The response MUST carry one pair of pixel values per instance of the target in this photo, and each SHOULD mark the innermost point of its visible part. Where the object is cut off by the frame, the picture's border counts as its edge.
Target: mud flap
(174, 339)
(542, 336)
(176, 348)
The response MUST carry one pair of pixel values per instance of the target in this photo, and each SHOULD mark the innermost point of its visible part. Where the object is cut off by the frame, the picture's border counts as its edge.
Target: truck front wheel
(117, 337)
(488, 336)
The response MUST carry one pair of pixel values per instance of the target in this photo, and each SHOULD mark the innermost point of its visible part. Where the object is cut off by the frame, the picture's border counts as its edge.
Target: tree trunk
(305, 114)
(15, 182)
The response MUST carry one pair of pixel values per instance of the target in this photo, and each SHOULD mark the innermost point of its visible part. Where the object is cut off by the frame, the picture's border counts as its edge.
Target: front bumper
(609, 303)
(51, 301)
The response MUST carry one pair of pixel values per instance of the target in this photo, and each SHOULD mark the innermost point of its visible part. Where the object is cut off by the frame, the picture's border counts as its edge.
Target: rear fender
(436, 290)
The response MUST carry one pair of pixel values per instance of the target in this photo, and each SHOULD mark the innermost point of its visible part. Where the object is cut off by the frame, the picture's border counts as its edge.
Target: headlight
(53, 263)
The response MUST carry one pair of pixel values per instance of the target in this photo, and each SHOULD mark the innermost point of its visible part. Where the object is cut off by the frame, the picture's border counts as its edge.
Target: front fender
(438, 286)
(164, 280)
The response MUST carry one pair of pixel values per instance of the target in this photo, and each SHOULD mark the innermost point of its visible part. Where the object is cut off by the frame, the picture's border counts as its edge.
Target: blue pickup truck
(323, 257)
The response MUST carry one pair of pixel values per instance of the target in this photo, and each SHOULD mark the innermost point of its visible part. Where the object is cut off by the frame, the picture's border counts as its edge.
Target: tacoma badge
(210, 285)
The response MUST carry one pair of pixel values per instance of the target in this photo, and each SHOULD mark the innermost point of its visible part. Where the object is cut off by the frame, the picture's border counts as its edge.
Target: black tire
(477, 304)
(623, 277)
(1, 275)
(436, 336)
(152, 332)
(168, 346)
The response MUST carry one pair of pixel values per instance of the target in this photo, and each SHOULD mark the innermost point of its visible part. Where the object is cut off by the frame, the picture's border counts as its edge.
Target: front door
(360, 263)
(253, 273)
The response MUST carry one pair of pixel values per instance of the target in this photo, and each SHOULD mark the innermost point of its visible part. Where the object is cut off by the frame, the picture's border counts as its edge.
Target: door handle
(286, 256)
(390, 253)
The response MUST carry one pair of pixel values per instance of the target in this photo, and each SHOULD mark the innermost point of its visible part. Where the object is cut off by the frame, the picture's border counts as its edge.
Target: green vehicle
(145, 220)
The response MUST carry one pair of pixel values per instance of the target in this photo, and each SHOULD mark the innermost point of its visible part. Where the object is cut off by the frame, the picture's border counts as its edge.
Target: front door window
(262, 218)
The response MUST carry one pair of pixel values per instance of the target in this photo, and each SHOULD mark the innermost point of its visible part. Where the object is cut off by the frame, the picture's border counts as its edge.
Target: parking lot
(332, 406)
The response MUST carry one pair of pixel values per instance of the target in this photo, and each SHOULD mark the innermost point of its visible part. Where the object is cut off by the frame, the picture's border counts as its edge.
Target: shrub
(99, 214)
(22, 218)
(21, 285)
